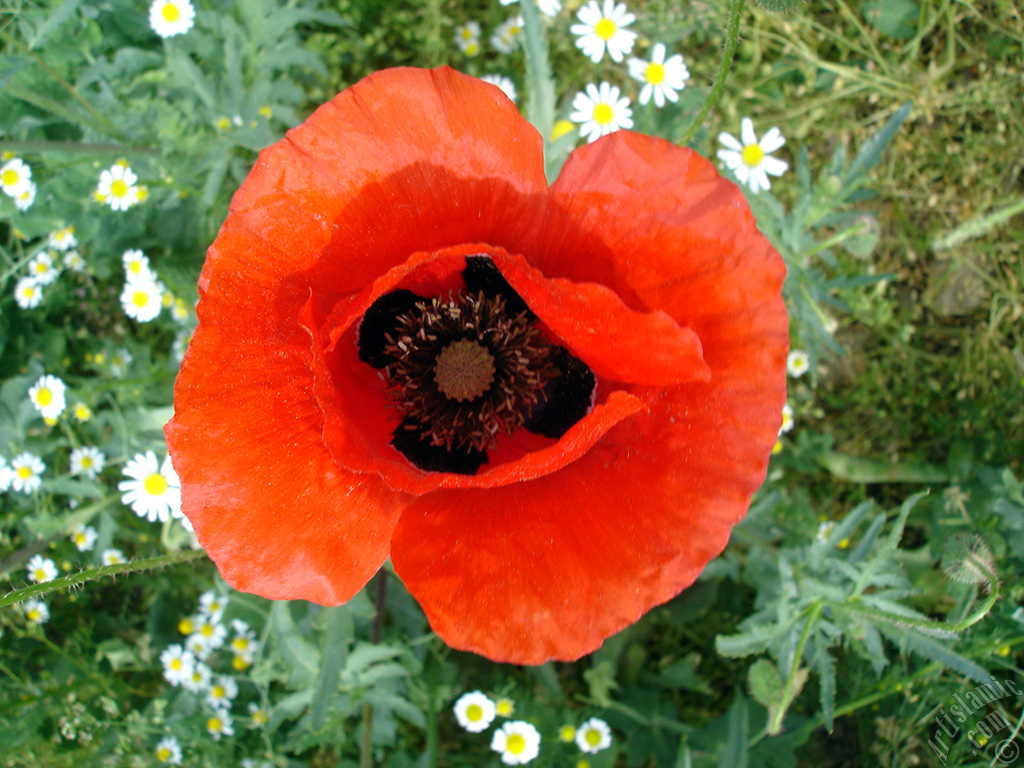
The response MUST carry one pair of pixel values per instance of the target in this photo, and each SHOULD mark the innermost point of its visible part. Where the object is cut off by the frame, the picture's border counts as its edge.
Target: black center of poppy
(464, 369)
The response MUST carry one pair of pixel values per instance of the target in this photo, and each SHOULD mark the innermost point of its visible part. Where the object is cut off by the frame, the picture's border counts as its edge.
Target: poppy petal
(633, 521)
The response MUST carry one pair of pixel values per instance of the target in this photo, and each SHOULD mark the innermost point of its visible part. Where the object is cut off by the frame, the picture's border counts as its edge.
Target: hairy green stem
(93, 574)
(732, 38)
(789, 693)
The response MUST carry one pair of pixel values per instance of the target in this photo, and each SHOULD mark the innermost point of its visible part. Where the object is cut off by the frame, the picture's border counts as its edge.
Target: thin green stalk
(540, 85)
(789, 692)
(732, 38)
(93, 574)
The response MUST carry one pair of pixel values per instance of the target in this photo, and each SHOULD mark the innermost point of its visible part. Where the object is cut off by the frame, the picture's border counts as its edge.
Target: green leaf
(736, 750)
(826, 668)
(765, 683)
(871, 150)
(934, 651)
(334, 646)
(301, 659)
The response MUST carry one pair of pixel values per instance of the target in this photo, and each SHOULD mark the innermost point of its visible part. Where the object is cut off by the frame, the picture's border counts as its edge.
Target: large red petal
(549, 568)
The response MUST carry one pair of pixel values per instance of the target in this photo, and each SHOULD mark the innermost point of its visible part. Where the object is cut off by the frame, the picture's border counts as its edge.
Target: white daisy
(26, 469)
(142, 299)
(751, 159)
(222, 692)
(136, 265)
(41, 569)
(24, 199)
(117, 187)
(15, 177)
(505, 83)
(547, 7)
(73, 260)
(36, 611)
(178, 664)
(47, 396)
(474, 711)
(212, 605)
(62, 239)
(600, 110)
(594, 735)
(168, 751)
(84, 538)
(662, 78)
(112, 557)
(28, 294)
(797, 363)
(244, 643)
(603, 29)
(260, 716)
(153, 490)
(506, 36)
(171, 17)
(517, 741)
(467, 37)
(208, 634)
(120, 359)
(787, 419)
(87, 460)
(219, 724)
(199, 680)
(42, 269)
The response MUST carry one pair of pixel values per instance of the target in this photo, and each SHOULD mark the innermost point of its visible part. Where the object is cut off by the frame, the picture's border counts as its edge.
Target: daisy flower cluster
(42, 269)
(603, 29)
(193, 664)
(16, 182)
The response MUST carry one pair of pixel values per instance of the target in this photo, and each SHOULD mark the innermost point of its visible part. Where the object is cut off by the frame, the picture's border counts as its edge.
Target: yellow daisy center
(10, 177)
(239, 663)
(170, 12)
(655, 73)
(135, 267)
(474, 712)
(218, 692)
(185, 626)
(752, 155)
(140, 299)
(605, 29)
(515, 743)
(155, 485)
(44, 396)
(214, 724)
(40, 574)
(119, 188)
(163, 754)
(87, 462)
(592, 737)
(34, 615)
(24, 473)
(603, 114)
(176, 664)
(207, 630)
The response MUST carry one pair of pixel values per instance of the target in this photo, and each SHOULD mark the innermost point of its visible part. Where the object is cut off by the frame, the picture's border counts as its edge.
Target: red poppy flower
(547, 405)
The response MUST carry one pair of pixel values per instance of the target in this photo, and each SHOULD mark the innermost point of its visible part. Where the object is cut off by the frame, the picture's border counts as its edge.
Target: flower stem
(732, 38)
(366, 743)
(540, 86)
(94, 574)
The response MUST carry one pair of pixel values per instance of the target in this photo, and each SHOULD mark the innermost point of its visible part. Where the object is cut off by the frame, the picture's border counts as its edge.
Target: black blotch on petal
(407, 438)
(565, 399)
(481, 274)
(381, 319)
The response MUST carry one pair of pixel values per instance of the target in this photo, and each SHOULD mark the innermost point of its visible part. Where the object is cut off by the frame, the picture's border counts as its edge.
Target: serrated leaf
(301, 659)
(747, 643)
(935, 651)
(870, 151)
(334, 646)
(825, 666)
(765, 683)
